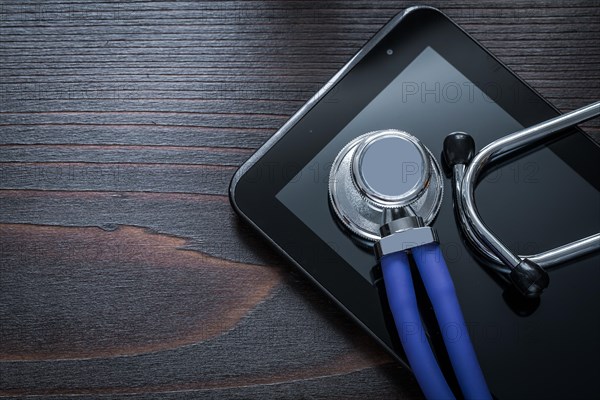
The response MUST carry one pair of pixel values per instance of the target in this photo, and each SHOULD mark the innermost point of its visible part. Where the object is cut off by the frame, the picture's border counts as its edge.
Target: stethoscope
(386, 187)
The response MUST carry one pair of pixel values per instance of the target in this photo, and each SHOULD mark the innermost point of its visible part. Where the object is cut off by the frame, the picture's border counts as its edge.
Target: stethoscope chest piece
(380, 174)
(386, 187)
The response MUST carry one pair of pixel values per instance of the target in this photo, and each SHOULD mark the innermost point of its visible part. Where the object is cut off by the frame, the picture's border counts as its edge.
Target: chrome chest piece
(383, 175)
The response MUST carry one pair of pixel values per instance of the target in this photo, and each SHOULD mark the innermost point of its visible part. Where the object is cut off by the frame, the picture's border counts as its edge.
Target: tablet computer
(423, 74)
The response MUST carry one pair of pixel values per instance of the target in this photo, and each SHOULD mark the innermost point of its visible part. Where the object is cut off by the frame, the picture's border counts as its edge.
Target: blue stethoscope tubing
(403, 304)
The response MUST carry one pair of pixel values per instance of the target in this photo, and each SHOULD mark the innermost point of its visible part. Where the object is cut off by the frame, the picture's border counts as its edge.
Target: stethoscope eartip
(529, 278)
(459, 148)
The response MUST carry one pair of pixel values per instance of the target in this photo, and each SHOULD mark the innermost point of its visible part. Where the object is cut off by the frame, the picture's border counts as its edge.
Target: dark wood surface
(123, 269)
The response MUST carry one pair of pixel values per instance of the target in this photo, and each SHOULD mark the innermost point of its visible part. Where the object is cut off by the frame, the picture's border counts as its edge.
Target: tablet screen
(430, 98)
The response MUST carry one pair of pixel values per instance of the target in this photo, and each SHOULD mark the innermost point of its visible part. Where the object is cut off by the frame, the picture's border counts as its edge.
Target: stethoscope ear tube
(529, 278)
(527, 273)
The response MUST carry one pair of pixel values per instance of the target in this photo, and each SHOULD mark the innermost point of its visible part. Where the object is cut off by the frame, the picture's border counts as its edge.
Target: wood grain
(123, 270)
(109, 273)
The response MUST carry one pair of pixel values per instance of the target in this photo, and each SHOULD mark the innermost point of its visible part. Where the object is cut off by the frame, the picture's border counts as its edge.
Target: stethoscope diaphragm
(379, 174)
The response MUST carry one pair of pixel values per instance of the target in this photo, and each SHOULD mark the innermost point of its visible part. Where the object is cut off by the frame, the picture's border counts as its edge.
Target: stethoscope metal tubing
(465, 179)
(546, 259)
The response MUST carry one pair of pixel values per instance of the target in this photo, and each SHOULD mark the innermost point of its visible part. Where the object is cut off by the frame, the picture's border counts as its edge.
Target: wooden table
(123, 269)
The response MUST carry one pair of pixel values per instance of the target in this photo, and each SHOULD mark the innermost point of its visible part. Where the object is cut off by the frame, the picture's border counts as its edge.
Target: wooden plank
(123, 269)
(137, 177)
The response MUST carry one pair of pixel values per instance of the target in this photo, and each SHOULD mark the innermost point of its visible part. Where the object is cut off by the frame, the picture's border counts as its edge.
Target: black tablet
(424, 75)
